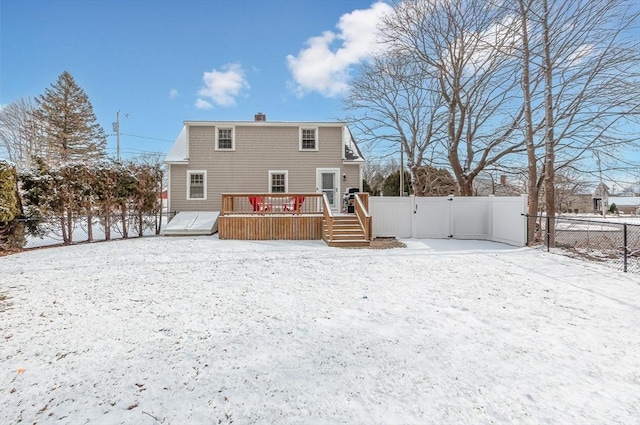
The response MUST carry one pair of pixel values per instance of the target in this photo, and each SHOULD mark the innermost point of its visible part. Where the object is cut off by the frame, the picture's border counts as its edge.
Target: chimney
(503, 180)
(260, 117)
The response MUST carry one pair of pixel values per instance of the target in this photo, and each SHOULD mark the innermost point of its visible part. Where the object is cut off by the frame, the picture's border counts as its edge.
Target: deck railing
(271, 203)
(269, 216)
(362, 213)
(328, 217)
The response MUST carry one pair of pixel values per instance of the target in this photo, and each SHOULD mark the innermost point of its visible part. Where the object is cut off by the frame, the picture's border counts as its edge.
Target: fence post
(548, 234)
(625, 248)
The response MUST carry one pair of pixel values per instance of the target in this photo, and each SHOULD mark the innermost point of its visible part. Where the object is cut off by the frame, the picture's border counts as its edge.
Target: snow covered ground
(196, 330)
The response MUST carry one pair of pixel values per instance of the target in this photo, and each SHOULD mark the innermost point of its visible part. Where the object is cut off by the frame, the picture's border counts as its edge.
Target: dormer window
(309, 139)
(224, 139)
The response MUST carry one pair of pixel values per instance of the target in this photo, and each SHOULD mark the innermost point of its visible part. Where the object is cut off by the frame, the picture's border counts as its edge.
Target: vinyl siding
(258, 149)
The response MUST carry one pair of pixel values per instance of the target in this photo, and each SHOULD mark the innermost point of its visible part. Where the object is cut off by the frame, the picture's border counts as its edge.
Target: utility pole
(601, 186)
(401, 170)
(116, 128)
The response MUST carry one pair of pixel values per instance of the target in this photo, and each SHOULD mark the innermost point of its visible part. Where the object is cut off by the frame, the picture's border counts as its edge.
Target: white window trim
(189, 173)
(315, 129)
(233, 138)
(286, 179)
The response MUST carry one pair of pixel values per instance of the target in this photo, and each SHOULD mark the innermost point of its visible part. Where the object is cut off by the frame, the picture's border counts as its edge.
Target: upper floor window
(196, 184)
(308, 139)
(224, 139)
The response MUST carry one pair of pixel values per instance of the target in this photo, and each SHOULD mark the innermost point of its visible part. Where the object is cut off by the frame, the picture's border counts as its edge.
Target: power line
(146, 137)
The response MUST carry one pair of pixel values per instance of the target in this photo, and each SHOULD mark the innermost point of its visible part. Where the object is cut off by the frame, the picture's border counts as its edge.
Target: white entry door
(327, 181)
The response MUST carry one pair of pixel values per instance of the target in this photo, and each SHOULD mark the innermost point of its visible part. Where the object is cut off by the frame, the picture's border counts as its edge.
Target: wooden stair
(347, 232)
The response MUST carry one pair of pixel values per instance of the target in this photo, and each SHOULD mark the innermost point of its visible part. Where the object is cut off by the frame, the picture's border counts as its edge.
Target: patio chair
(293, 204)
(258, 204)
(289, 204)
(299, 201)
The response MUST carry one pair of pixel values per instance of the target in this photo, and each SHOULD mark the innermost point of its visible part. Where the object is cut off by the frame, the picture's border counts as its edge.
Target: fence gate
(452, 217)
(432, 218)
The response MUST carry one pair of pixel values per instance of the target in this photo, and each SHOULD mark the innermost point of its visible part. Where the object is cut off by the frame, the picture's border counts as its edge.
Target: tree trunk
(107, 223)
(549, 157)
(417, 188)
(123, 216)
(70, 226)
(532, 165)
(89, 226)
(63, 227)
(466, 188)
(140, 224)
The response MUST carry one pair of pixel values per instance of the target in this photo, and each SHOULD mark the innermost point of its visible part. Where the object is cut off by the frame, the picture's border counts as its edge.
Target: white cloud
(222, 87)
(579, 55)
(325, 70)
(173, 93)
(203, 104)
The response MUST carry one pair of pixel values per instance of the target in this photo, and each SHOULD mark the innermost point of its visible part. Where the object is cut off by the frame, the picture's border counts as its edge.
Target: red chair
(257, 202)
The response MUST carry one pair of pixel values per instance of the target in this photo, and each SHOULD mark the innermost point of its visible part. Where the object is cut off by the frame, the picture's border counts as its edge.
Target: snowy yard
(196, 330)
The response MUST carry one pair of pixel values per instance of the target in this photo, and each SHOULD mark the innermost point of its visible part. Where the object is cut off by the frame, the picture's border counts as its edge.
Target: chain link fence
(610, 242)
(50, 231)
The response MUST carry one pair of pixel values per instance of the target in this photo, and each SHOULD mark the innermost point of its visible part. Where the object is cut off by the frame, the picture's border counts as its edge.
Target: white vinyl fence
(491, 218)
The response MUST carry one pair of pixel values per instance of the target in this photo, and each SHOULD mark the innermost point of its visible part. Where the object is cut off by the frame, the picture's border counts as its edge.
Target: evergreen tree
(391, 184)
(70, 127)
(11, 229)
(146, 193)
(47, 201)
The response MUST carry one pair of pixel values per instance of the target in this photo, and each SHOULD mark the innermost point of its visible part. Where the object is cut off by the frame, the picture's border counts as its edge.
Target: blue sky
(166, 61)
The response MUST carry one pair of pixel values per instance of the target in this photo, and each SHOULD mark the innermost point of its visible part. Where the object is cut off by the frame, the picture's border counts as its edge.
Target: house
(626, 204)
(210, 158)
(487, 185)
(601, 198)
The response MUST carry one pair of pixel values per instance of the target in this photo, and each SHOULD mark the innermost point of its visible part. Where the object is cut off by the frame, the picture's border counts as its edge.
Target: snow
(192, 223)
(197, 330)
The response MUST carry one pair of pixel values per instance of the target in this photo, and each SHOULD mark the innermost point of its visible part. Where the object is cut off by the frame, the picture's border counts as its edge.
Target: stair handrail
(328, 215)
(363, 217)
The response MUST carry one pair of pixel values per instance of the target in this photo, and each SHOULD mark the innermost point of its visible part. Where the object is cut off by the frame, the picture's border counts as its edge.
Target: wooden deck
(261, 216)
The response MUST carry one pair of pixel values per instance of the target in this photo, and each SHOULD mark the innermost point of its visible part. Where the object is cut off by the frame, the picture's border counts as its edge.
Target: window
(196, 185)
(308, 140)
(224, 139)
(278, 181)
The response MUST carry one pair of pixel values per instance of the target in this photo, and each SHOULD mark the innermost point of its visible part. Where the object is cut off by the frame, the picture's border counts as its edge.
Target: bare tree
(388, 103)
(456, 74)
(524, 6)
(19, 138)
(581, 83)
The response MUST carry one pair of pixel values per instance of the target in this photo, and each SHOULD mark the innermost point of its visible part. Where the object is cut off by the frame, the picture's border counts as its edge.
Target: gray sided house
(210, 158)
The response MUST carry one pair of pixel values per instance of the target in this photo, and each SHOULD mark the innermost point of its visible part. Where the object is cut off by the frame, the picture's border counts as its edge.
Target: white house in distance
(626, 204)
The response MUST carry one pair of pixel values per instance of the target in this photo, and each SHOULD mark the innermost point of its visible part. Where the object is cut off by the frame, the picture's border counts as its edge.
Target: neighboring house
(601, 198)
(213, 157)
(577, 203)
(483, 186)
(626, 204)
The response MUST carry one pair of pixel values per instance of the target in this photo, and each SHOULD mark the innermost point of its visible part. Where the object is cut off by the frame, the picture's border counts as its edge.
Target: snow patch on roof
(351, 150)
(178, 152)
